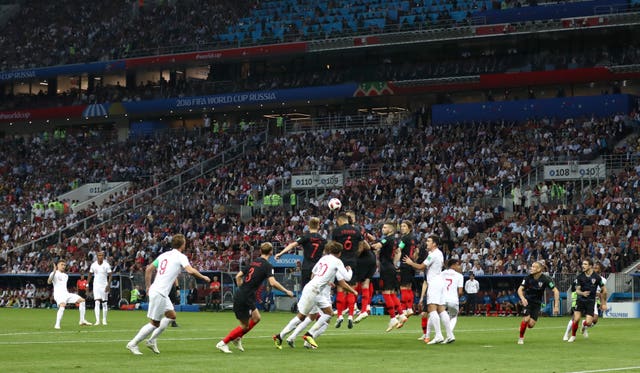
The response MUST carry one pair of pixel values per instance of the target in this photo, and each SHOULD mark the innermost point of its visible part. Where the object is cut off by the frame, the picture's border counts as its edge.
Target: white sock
(59, 315)
(96, 310)
(301, 326)
(446, 321)
(569, 326)
(143, 333)
(454, 321)
(434, 320)
(105, 308)
(83, 310)
(292, 324)
(163, 325)
(320, 326)
(428, 328)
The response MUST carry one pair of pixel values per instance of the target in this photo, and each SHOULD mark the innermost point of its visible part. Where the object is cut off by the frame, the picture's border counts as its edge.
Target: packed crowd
(73, 31)
(442, 178)
(35, 170)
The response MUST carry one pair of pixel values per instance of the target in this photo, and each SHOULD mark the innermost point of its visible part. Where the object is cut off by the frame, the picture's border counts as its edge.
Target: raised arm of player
(287, 248)
(274, 283)
(195, 273)
(50, 279)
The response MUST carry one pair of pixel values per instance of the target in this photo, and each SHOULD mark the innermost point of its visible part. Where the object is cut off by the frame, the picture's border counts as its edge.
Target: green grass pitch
(28, 343)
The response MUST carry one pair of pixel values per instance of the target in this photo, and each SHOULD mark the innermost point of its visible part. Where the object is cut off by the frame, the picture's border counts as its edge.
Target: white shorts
(66, 298)
(158, 305)
(452, 308)
(312, 302)
(435, 293)
(100, 293)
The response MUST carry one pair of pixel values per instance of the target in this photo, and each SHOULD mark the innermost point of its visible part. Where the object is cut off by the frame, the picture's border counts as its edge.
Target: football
(334, 204)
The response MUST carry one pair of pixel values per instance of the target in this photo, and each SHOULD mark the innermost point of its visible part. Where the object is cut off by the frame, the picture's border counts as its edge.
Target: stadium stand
(448, 179)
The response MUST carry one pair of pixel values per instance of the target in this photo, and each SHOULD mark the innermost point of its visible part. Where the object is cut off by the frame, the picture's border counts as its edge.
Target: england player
(531, 292)
(62, 296)
(312, 250)
(574, 299)
(587, 284)
(244, 300)
(316, 294)
(453, 290)
(102, 272)
(161, 313)
(435, 302)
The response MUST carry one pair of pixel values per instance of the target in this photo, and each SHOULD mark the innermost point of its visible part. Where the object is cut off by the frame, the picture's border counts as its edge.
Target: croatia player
(244, 300)
(409, 246)
(62, 296)
(365, 270)
(102, 272)
(531, 292)
(316, 295)
(312, 246)
(350, 238)
(389, 256)
(587, 284)
(161, 313)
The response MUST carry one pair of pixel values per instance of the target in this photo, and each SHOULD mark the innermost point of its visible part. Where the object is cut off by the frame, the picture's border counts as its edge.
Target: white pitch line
(329, 332)
(607, 370)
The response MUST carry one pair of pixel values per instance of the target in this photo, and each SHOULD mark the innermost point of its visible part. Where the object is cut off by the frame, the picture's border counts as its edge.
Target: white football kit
(452, 282)
(100, 280)
(168, 267)
(434, 263)
(598, 290)
(317, 291)
(60, 292)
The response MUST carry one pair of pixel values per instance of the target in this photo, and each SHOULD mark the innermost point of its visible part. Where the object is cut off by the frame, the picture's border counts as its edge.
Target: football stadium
(359, 185)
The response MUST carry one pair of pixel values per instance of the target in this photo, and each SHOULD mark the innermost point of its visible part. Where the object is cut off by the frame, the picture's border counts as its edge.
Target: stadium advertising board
(590, 171)
(311, 181)
(623, 310)
(41, 114)
(286, 261)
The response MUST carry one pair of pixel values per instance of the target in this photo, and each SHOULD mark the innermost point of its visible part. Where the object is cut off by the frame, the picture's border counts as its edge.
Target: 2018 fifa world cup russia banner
(252, 98)
(54, 71)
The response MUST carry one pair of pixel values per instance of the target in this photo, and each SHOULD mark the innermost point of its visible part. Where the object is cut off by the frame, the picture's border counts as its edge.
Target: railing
(140, 199)
(345, 122)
